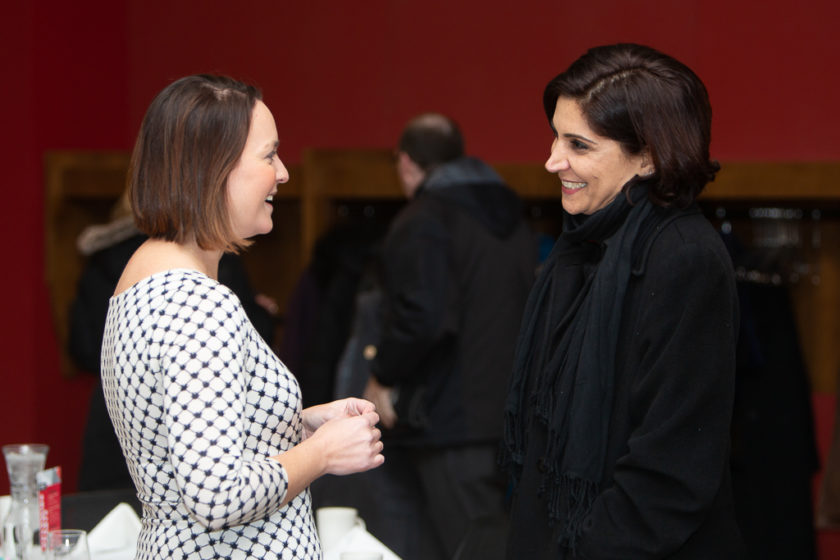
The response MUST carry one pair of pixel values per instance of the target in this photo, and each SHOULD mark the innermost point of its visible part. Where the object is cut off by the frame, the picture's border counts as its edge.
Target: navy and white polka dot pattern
(199, 403)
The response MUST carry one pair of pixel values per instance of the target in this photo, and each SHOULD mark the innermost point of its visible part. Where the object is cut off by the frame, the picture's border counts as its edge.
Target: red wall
(64, 87)
(339, 74)
(349, 74)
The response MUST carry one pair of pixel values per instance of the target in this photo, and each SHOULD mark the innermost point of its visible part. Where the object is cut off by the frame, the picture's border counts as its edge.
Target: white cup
(335, 522)
(361, 555)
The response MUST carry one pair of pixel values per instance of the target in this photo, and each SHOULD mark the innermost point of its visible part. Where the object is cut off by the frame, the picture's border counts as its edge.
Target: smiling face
(253, 182)
(592, 169)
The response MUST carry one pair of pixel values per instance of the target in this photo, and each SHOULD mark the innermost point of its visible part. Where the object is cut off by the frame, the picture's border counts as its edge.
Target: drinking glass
(67, 544)
(21, 524)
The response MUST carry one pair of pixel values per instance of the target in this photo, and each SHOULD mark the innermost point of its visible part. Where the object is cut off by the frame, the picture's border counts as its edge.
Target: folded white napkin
(359, 539)
(117, 533)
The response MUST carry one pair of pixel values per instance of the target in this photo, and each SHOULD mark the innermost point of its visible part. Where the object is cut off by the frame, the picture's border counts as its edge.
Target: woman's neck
(186, 255)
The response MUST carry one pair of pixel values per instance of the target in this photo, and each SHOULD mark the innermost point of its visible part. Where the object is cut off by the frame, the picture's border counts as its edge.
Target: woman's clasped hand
(346, 430)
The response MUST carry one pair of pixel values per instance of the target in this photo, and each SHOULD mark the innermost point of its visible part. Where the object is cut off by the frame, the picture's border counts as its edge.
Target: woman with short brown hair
(208, 418)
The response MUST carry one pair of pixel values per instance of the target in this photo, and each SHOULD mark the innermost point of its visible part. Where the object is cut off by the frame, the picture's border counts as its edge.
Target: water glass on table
(67, 544)
(21, 523)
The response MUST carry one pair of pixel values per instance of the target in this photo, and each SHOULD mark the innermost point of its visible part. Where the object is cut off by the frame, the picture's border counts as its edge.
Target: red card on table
(49, 501)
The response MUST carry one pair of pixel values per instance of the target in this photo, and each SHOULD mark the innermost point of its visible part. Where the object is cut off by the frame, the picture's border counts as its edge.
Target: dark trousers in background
(428, 504)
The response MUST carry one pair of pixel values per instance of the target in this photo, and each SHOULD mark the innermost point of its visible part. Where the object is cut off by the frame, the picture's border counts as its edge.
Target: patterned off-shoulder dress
(199, 403)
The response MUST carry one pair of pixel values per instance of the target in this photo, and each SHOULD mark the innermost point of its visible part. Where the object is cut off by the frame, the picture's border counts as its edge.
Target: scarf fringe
(569, 501)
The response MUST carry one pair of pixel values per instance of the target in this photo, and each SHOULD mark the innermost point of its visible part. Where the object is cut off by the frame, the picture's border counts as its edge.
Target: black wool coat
(667, 492)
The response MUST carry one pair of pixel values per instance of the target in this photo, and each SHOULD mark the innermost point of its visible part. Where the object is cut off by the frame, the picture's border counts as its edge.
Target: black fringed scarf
(571, 390)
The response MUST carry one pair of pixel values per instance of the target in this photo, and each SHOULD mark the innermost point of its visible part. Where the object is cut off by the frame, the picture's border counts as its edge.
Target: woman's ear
(647, 166)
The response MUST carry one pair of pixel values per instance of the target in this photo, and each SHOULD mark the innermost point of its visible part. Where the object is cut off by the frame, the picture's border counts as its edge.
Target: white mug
(361, 555)
(335, 522)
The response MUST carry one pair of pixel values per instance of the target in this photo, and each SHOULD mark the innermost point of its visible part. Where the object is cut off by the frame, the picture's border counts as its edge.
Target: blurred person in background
(456, 267)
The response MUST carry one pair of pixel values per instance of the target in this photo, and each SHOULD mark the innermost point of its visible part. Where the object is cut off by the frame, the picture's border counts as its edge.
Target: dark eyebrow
(578, 136)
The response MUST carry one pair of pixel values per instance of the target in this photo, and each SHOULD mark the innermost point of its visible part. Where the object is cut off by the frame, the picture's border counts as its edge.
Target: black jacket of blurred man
(457, 265)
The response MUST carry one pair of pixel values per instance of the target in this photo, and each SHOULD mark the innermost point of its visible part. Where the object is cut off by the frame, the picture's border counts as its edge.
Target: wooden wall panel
(82, 186)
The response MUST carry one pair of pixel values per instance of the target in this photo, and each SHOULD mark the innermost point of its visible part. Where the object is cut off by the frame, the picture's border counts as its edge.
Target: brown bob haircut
(645, 100)
(190, 140)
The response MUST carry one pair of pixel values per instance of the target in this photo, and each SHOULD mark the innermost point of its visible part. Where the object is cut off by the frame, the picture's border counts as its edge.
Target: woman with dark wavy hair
(618, 416)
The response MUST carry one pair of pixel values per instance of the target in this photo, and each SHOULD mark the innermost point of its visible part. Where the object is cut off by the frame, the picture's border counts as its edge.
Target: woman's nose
(557, 160)
(282, 174)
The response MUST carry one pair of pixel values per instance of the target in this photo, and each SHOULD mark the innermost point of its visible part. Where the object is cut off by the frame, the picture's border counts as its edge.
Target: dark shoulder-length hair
(645, 100)
(191, 138)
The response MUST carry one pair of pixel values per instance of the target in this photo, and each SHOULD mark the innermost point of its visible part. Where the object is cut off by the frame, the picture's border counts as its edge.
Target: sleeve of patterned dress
(203, 353)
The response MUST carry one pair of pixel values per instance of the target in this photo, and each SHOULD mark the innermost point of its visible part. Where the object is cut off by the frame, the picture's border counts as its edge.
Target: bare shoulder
(152, 257)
